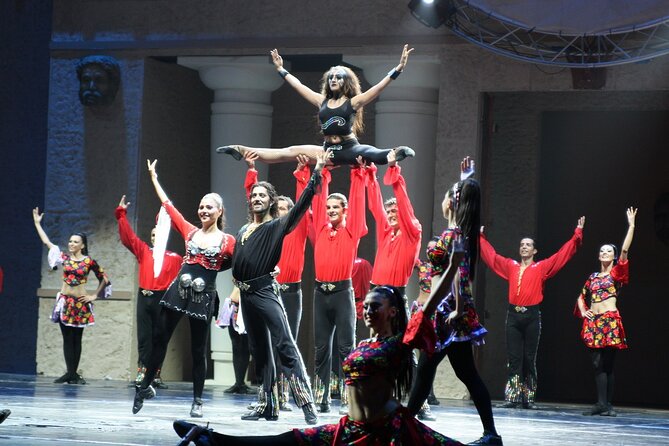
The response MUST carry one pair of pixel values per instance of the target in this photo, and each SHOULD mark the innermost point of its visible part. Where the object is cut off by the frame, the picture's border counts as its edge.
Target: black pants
(148, 313)
(349, 150)
(462, 360)
(292, 302)
(240, 355)
(523, 330)
(332, 311)
(199, 338)
(267, 328)
(603, 360)
(71, 347)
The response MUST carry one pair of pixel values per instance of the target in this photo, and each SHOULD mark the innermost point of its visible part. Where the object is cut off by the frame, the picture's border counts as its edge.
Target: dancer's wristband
(394, 73)
(283, 72)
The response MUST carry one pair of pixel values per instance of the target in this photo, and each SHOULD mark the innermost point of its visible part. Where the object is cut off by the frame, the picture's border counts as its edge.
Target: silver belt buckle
(147, 292)
(520, 309)
(283, 286)
(242, 286)
(327, 286)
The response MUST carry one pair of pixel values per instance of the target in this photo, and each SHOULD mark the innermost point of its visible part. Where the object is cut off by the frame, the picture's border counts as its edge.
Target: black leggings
(462, 360)
(71, 346)
(199, 336)
(603, 360)
(350, 149)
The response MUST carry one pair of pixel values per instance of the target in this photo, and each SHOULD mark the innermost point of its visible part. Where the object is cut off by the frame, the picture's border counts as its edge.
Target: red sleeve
(319, 202)
(497, 263)
(250, 180)
(302, 176)
(355, 222)
(554, 263)
(420, 333)
(409, 224)
(620, 273)
(375, 204)
(127, 235)
(178, 220)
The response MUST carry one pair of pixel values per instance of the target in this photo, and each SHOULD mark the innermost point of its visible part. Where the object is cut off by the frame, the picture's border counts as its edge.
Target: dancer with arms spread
(340, 103)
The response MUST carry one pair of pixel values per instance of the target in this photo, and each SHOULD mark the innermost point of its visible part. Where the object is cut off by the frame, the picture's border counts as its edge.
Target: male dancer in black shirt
(256, 254)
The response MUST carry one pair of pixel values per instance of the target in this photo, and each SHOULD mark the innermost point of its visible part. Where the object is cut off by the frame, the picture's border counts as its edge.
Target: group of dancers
(381, 370)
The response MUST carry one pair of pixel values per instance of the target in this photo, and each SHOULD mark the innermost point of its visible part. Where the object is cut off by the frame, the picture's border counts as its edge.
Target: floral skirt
(69, 311)
(604, 330)
(399, 428)
(466, 328)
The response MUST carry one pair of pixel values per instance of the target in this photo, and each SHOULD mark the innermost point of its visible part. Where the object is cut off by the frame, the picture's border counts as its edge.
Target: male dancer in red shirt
(151, 289)
(523, 321)
(338, 226)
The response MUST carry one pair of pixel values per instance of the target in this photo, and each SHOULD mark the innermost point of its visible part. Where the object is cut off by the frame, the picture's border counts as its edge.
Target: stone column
(241, 114)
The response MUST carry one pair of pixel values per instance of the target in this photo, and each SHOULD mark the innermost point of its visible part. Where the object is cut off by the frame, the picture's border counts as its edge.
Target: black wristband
(283, 73)
(394, 74)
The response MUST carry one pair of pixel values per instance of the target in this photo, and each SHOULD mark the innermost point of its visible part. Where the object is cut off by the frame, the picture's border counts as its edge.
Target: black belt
(293, 287)
(522, 309)
(401, 289)
(250, 286)
(333, 287)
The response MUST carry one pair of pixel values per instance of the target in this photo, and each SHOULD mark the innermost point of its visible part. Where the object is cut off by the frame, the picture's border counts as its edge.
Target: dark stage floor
(100, 414)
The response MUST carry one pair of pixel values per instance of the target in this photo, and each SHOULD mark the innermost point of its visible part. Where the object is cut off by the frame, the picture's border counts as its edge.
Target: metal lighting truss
(616, 47)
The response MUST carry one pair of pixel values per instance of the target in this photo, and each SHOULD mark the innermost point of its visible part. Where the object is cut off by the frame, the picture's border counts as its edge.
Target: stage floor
(100, 413)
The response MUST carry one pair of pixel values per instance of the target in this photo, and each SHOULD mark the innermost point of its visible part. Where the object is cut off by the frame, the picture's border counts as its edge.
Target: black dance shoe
(488, 439)
(4, 413)
(508, 405)
(63, 379)
(310, 413)
(402, 152)
(610, 412)
(255, 415)
(230, 150)
(425, 414)
(285, 407)
(77, 379)
(597, 409)
(189, 432)
(159, 384)
(432, 400)
(324, 407)
(140, 396)
(196, 408)
(530, 406)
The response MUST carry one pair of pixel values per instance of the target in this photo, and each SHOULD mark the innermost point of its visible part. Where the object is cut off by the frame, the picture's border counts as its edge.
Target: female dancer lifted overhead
(340, 114)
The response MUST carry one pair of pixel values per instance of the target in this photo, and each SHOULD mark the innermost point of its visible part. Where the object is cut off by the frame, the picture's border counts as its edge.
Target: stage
(99, 413)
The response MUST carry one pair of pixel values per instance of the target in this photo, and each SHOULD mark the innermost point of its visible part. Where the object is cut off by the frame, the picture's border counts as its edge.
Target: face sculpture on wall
(99, 79)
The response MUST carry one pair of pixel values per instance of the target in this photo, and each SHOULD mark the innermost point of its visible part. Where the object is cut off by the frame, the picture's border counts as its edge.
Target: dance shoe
(530, 406)
(63, 379)
(597, 409)
(140, 396)
(189, 432)
(310, 413)
(402, 152)
(425, 414)
(508, 405)
(432, 400)
(343, 409)
(196, 408)
(240, 389)
(77, 379)
(285, 407)
(4, 413)
(488, 439)
(230, 150)
(255, 415)
(159, 384)
(324, 407)
(610, 411)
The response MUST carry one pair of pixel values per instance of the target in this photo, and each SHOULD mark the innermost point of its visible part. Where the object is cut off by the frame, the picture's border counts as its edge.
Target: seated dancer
(257, 251)
(193, 292)
(340, 113)
(603, 332)
(152, 286)
(456, 323)
(378, 373)
(291, 262)
(338, 227)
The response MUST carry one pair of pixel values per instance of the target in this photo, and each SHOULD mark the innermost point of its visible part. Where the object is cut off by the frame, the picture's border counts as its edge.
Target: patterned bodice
(375, 357)
(75, 272)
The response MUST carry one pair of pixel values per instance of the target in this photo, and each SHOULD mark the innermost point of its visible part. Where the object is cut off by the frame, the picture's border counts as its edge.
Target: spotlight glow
(428, 2)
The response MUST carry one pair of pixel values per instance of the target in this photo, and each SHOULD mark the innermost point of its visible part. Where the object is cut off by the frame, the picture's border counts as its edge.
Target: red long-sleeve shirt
(335, 250)
(171, 261)
(527, 289)
(291, 263)
(396, 253)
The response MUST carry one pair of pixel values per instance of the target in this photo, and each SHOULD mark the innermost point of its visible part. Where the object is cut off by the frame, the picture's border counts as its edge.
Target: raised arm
(500, 265)
(631, 217)
(554, 263)
(302, 205)
(162, 196)
(368, 96)
(304, 91)
(375, 203)
(408, 222)
(251, 174)
(355, 220)
(319, 204)
(125, 232)
(37, 218)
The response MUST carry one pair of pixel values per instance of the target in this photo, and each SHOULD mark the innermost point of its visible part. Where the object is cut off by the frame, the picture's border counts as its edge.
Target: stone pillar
(241, 114)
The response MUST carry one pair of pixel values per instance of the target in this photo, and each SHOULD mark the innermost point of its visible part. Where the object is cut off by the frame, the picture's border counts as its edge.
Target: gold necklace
(250, 229)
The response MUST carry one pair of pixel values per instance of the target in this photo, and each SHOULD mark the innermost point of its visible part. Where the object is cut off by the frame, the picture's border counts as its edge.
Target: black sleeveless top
(336, 121)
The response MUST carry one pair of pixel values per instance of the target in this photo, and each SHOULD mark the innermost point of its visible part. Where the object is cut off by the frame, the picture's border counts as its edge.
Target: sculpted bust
(99, 79)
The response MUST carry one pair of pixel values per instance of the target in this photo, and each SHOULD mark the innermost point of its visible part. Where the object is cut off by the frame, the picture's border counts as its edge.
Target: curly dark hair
(273, 199)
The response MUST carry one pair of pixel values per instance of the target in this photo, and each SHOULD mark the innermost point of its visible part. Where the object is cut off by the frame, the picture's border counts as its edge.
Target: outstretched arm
(631, 217)
(368, 96)
(445, 281)
(302, 205)
(37, 218)
(304, 91)
(554, 263)
(162, 196)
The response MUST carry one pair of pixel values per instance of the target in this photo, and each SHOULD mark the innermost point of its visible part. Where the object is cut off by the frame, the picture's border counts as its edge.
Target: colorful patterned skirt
(466, 328)
(604, 330)
(399, 428)
(69, 311)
